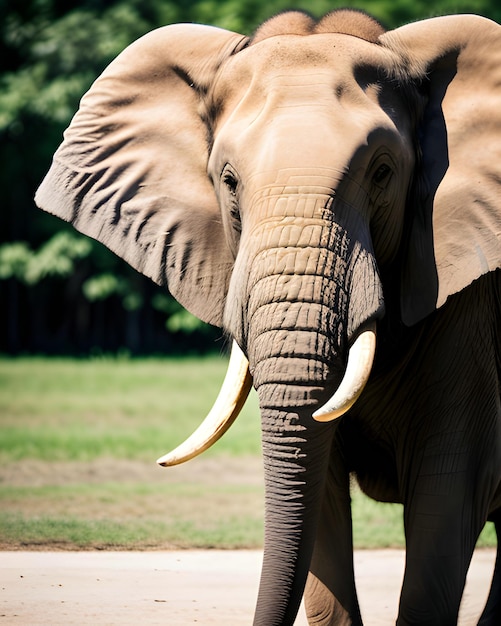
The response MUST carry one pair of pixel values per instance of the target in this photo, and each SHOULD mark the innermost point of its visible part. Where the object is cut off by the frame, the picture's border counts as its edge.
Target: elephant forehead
(312, 49)
(340, 54)
(312, 67)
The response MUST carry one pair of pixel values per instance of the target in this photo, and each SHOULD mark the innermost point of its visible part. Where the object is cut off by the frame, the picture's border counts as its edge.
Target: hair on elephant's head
(291, 188)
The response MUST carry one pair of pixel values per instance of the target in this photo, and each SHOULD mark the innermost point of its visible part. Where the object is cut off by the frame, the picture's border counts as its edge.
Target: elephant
(327, 192)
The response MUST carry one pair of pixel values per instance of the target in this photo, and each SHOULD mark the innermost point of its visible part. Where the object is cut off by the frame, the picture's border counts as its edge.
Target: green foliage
(178, 319)
(14, 258)
(245, 15)
(103, 286)
(55, 258)
(61, 59)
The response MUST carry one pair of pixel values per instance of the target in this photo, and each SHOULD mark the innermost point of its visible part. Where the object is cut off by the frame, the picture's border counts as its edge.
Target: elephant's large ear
(132, 169)
(456, 229)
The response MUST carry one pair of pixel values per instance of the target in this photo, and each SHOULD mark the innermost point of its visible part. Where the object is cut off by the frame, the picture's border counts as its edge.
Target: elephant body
(328, 194)
(404, 446)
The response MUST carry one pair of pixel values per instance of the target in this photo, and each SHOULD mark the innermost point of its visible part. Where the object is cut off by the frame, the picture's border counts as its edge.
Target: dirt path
(181, 588)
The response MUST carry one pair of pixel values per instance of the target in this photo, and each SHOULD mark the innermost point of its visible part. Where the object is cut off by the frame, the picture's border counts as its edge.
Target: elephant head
(291, 188)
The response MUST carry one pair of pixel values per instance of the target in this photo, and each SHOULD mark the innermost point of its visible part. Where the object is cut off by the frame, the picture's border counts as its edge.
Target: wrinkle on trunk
(290, 376)
(295, 451)
(289, 307)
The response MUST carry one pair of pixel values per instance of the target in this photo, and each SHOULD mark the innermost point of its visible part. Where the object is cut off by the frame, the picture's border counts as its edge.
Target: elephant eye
(381, 174)
(231, 182)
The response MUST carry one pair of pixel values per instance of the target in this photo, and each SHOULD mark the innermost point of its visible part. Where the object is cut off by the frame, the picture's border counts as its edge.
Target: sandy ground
(185, 587)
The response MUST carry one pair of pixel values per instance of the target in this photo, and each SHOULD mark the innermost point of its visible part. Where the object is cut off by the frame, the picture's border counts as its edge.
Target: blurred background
(61, 293)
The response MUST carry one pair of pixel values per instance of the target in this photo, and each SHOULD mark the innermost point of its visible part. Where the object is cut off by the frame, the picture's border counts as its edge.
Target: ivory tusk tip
(232, 396)
(164, 461)
(358, 369)
(181, 454)
(327, 416)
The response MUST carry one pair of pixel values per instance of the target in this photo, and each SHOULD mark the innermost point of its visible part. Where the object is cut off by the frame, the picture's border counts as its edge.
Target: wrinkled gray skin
(293, 189)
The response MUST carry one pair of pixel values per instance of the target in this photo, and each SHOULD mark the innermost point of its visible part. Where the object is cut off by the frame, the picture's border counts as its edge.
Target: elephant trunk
(295, 458)
(291, 381)
(299, 326)
(290, 369)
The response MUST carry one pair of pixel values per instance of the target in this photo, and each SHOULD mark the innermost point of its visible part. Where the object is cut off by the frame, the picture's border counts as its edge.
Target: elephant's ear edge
(456, 230)
(132, 169)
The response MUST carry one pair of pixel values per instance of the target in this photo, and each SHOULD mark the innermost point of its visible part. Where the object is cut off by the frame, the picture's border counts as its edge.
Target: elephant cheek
(365, 292)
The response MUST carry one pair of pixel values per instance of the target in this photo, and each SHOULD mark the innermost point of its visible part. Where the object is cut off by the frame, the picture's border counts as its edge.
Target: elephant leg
(491, 615)
(437, 562)
(444, 515)
(330, 594)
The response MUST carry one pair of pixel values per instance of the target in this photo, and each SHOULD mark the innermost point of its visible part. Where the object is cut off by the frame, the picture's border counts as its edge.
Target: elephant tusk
(358, 369)
(232, 396)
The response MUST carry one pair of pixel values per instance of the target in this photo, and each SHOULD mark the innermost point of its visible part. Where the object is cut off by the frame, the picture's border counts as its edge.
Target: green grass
(96, 516)
(124, 516)
(191, 517)
(78, 443)
(136, 409)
